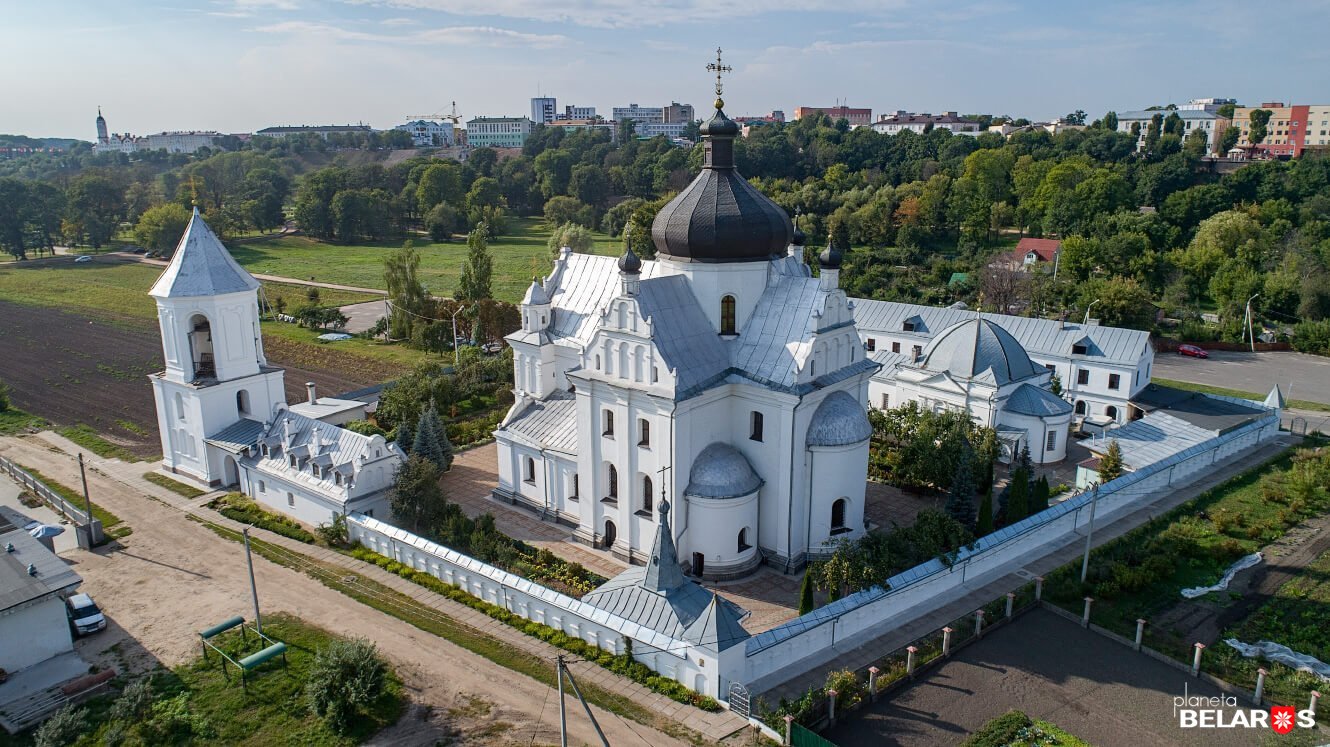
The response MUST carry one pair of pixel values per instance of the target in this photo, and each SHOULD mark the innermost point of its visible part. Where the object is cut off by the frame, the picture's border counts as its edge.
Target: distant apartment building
(890, 124)
(544, 110)
(1192, 119)
(776, 116)
(1212, 105)
(640, 114)
(655, 129)
(579, 112)
(677, 113)
(497, 132)
(322, 131)
(426, 133)
(1290, 131)
(171, 142)
(856, 117)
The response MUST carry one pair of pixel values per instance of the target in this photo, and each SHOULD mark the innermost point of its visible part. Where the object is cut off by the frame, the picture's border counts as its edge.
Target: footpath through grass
(113, 525)
(196, 704)
(1297, 404)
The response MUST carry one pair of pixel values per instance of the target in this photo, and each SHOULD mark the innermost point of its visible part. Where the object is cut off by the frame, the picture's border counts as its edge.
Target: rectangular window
(1051, 367)
(895, 347)
(292, 460)
(263, 487)
(871, 345)
(644, 432)
(755, 426)
(1114, 381)
(1052, 443)
(907, 326)
(1082, 377)
(577, 488)
(609, 423)
(290, 499)
(1079, 350)
(886, 401)
(917, 351)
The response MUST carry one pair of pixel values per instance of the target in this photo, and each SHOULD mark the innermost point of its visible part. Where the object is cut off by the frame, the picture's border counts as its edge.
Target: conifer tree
(1018, 504)
(405, 437)
(430, 439)
(985, 523)
(806, 594)
(1110, 464)
(960, 502)
(1039, 495)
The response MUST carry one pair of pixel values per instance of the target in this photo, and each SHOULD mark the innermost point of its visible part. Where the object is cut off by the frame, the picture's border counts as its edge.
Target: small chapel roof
(722, 471)
(201, 266)
(1038, 402)
(839, 421)
(535, 295)
(978, 349)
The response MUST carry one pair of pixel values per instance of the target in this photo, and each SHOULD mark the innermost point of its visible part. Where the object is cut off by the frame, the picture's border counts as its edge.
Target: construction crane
(454, 117)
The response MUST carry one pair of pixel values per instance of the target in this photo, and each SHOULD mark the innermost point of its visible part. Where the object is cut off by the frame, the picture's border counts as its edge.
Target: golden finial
(718, 68)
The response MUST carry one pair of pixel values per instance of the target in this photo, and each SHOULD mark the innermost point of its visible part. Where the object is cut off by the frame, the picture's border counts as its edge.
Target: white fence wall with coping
(860, 617)
(687, 663)
(57, 501)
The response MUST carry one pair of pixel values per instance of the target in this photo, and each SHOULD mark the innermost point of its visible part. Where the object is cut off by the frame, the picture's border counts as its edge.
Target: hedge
(621, 664)
(239, 508)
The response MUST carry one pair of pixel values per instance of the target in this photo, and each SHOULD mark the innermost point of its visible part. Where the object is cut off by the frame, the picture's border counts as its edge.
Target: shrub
(334, 534)
(62, 728)
(172, 722)
(849, 690)
(346, 677)
(240, 508)
(135, 702)
(1001, 731)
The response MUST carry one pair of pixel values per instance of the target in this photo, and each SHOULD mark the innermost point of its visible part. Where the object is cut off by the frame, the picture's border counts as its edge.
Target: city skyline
(241, 65)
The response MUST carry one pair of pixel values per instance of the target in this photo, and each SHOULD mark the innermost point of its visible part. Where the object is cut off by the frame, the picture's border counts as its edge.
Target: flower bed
(621, 664)
(238, 507)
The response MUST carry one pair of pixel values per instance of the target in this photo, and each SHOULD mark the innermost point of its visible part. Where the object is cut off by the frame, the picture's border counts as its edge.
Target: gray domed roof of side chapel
(721, 471)
(979, 349)
(839, 421)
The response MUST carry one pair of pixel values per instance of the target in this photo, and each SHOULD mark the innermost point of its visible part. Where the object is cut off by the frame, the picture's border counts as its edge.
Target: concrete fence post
(1085, 616)
(1140, 632)
(789, 727)
(1011, 603)
(872, 682)
(831, 707)
(946, 641)
(978, 623)
(909, 660)
(1315, 697)
(1038, 588)
(1260, 686)
(1196, 660)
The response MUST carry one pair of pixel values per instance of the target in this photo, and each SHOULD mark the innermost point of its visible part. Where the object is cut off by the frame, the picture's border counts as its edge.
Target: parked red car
(1192, 351)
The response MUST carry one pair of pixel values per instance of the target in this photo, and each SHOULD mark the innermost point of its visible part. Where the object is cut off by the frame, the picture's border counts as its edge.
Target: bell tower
(216, 375)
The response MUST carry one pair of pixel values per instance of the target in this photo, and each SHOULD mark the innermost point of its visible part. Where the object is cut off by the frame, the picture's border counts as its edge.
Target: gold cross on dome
(718, 68)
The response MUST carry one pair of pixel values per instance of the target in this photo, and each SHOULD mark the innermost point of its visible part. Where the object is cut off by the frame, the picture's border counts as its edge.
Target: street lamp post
(1089, 534)
(460, 309)
(1250, 333)
(1087, 311)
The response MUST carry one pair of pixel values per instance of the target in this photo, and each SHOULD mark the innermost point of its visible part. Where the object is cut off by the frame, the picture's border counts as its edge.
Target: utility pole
(460, 309)
(87, 502)
(578, 692)
(253, 590)
(1085, 561)
(563, 714)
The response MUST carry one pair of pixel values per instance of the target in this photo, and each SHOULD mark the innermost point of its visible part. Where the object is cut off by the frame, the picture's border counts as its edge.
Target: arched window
(727, 324)
(614, 483)
(242, 402)
(743, 539)
(1111, 411)
(838, 516)
(200, 347)
(179, 406)
(1080, 407)
(643, 432)
(530, 470)
(646, 494)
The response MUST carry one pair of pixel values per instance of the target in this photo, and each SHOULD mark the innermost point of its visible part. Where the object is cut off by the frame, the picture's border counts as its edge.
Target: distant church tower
(103, 137)
(216, 374)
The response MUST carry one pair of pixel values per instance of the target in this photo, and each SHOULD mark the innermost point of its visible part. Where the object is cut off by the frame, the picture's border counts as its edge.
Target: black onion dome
(720, 217)
(830, 258)
(630, 263)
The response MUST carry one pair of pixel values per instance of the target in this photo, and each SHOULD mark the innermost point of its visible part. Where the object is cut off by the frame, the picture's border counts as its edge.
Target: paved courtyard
(1052, 669)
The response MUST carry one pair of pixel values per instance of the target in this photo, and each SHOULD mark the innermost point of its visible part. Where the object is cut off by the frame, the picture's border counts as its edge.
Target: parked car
(84, 616)
(139, 250)
(1192, 351)
(83, 258)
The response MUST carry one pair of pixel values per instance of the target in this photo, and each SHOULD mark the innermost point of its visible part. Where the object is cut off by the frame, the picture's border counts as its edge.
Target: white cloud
(400, 22)
(476, 36)
(271, 4)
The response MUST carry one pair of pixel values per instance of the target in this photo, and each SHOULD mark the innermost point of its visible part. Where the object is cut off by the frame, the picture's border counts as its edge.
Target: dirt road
(173, 577)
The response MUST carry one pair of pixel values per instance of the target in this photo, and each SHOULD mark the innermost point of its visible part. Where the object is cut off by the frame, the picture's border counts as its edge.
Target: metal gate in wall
(739, 699)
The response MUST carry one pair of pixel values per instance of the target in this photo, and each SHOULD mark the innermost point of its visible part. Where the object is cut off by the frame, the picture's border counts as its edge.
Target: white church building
(222, 411)
(722, 377)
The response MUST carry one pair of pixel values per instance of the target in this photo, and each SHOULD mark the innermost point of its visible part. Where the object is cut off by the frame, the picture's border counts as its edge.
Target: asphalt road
(1300, 376)
(1052, 669)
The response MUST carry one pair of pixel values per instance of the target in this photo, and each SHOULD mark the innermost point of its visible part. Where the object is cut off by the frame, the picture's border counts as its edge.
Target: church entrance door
(611, 534)
(232, 476)
(699, 564)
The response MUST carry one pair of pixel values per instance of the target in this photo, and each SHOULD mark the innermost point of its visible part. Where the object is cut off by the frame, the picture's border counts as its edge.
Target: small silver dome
(839, 421)
(720, 471)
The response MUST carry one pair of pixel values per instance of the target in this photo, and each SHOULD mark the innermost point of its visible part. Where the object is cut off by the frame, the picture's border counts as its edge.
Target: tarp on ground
(1241, 564)
(1282, 654)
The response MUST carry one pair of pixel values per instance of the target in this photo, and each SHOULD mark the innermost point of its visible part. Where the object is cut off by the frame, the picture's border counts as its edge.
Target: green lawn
(1300, 404)
(14, 420)
(518, 256)
(90, 439)
(197, 704)
(175, 486)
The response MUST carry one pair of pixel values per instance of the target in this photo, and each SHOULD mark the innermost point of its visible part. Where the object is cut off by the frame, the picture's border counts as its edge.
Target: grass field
(14, 420)
(1299, 404)
(518, 256)
(196, 704)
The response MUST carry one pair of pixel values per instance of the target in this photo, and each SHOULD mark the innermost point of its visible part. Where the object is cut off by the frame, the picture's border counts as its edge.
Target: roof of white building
(1048, 337)
(326, 407)
(722, 471)
(1038, 402)
(535, 295)
(682, 333)
(1151, 439)
(659, 597)
(1182, 113)
(201, 266)
(334, 449)
(550, 423)
(49, 574)
(839, 421)
(981, 350)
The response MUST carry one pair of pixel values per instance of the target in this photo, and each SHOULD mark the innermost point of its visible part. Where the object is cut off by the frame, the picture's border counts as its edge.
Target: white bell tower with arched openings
(216, 376)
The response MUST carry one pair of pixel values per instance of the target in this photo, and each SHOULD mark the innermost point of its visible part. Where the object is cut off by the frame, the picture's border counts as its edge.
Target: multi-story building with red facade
(1290, 131)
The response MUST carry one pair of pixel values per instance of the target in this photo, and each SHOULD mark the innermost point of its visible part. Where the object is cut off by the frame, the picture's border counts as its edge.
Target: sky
(241, 65)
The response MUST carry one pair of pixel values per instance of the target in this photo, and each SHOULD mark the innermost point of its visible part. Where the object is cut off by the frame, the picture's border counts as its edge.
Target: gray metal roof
(303, 436)
(1214, 413)
(839, 421)
(682, 333)
(777, 339)
(550, 423)
(1153, 438)
(1182, 113)
(535, 295)
(978, 349)
(1029, 399)
(1048, 337)
(584, 285)
(721, 471)
(238, 436)
(17, 587)
(201, 266)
